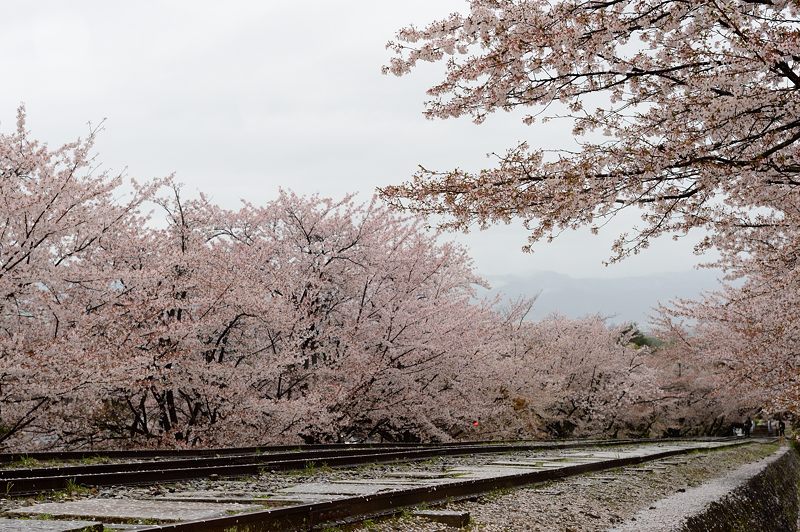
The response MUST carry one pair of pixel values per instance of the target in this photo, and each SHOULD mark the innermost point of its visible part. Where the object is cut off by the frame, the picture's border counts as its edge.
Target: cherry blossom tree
(706, 387)
(181, 345)
(751, 329)
(304, 317)
(696, 124)
(380, 319)
(584, 378)
(575, 378)
(58, 212)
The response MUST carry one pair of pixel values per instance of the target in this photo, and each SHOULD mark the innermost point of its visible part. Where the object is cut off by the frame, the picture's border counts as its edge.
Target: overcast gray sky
(240, 98)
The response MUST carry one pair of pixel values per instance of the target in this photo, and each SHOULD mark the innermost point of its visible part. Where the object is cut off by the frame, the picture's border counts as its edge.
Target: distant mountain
(620, 299)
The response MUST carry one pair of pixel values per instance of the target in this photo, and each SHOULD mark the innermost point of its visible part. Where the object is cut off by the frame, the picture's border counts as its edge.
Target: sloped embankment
(762, 495)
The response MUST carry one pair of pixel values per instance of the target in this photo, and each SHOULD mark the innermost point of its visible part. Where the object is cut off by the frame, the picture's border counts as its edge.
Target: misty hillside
(620, 299)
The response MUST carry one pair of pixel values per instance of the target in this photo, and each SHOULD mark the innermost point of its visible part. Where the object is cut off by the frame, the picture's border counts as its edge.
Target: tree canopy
(697, 122)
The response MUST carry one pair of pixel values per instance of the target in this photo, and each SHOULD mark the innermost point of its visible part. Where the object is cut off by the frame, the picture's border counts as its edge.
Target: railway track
(235, 462)
(319, 515)
(6, 458)
(505, 470)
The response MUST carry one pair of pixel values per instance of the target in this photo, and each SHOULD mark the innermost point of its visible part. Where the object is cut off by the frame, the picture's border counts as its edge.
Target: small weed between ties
(311, 469)
(36, 517)
(497, 493)
(94, 460)
(73, 488)
(70, 490)
(26, 461)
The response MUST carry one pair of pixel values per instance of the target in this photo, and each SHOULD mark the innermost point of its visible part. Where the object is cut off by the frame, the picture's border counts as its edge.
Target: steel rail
(262, 449)
(159, 453)
(349, 509)
(185, 463)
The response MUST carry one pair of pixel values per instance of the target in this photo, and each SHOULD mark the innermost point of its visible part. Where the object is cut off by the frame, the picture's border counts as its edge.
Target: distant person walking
(781, 428)
(748, 425)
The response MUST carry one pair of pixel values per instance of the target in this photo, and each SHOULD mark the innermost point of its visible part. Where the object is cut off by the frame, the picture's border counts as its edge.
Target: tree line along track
(246, 461)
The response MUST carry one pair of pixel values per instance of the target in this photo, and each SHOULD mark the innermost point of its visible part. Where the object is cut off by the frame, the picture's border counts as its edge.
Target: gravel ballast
(591, 502)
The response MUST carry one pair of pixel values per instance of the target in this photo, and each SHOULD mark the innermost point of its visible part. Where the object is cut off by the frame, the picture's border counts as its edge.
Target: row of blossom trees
(131, 315)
